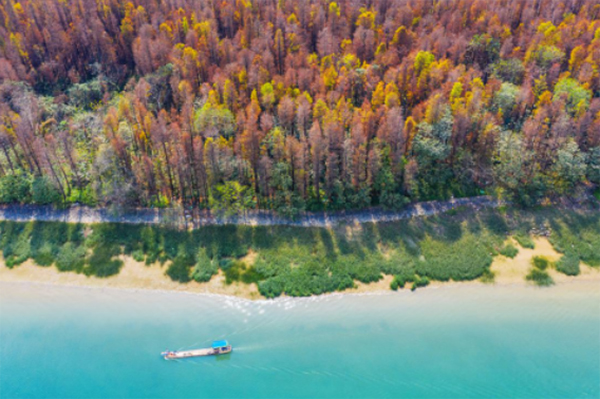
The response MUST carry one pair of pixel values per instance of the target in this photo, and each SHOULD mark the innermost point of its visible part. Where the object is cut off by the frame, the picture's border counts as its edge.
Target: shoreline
(138, 276)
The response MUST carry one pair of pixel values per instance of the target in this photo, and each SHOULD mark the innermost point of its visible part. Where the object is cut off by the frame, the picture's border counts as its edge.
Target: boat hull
(170, 355)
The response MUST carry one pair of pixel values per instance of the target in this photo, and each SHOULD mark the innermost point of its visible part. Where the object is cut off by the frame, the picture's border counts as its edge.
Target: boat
(217, 348)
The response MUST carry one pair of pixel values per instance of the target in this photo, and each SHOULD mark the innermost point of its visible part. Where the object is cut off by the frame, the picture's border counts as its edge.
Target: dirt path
(178, 217)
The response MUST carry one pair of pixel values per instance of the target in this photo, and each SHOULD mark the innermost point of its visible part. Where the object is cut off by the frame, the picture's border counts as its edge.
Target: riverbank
(138, 276)
(270, 261)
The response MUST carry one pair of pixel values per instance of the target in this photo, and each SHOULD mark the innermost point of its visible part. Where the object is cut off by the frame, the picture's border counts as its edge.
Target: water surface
(450, 342)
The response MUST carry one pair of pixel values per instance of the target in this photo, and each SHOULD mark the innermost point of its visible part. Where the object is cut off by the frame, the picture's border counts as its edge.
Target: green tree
(511, 70)
(285, 200)
(267, 95)
(431, 149)
(569, 168)
(483, 50)
(386, 185)
(213, 120)
(15, 187)
(546, 56)
(505, 100)
(205, 267)
(515, 170)
(44, 192)
(231, 198)
(578, 97)
(593, 167)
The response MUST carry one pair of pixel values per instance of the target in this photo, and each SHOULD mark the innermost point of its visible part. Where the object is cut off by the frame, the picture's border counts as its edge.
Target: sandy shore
(137, 275)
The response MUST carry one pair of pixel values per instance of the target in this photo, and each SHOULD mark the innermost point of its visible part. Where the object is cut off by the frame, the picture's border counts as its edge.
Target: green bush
(45, 254)
(509, 250)
(17, 252)
(524, 240)
(541, 262)
(579, 234)
(15, 188)
(138, 255)
(397, 282)
(568, 264)
(70, 257)
(239, 271)
(179, 270)
(102, 263)
(225, 263)
(205, 267)
(419, 282)
(43, 191)
(85, 95)
(539, 277)
(488, 276)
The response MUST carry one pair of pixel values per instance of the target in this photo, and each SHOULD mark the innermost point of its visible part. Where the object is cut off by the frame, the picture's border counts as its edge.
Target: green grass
(539, 277)
(305, 261)
(578, 234)
(509, 250)
(524, 240)
(541, 262)
(568, 264)
(488, 277)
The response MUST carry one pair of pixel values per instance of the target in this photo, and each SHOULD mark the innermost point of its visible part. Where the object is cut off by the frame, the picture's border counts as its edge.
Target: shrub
(568, 264)
(524, 240)
(539, 277)
(463, 259)
(101, 262)
(509, 250)
(271, 288)
(17, 252)
(205, 267)
(397, 282)
(45, 254)
(43, 191)
(138, 255)
(251, 275)
(225, 263)
(85, 95)
(179, 270)
(579, 234)
(15, 188)
(419, 282)
(540, 262)
(488, 276)
(400, 281)
(70, 257)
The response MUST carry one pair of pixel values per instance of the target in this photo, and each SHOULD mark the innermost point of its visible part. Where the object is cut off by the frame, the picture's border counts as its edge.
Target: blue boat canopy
(219, 344)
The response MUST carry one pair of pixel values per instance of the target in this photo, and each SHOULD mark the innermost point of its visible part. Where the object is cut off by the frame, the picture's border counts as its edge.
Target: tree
(577, 97)
(44, 192)
(431, 150)
(593, 169)
(15, 188)
(515, 170)
(231, 198)
(569, 168)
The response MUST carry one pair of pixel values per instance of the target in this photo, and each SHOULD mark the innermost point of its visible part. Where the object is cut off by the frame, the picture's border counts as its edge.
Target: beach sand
(137, 275)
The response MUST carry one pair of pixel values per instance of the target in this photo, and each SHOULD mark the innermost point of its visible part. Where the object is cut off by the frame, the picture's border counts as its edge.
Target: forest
(294, 105)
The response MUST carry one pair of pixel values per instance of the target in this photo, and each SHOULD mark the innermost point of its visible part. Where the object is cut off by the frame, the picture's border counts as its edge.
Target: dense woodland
(297, 105)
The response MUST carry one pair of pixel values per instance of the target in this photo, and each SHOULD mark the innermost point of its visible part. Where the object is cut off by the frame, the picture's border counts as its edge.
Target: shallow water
(450, 342)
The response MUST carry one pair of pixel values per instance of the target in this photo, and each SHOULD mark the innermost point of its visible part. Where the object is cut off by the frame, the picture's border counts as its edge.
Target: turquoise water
(450, 342)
